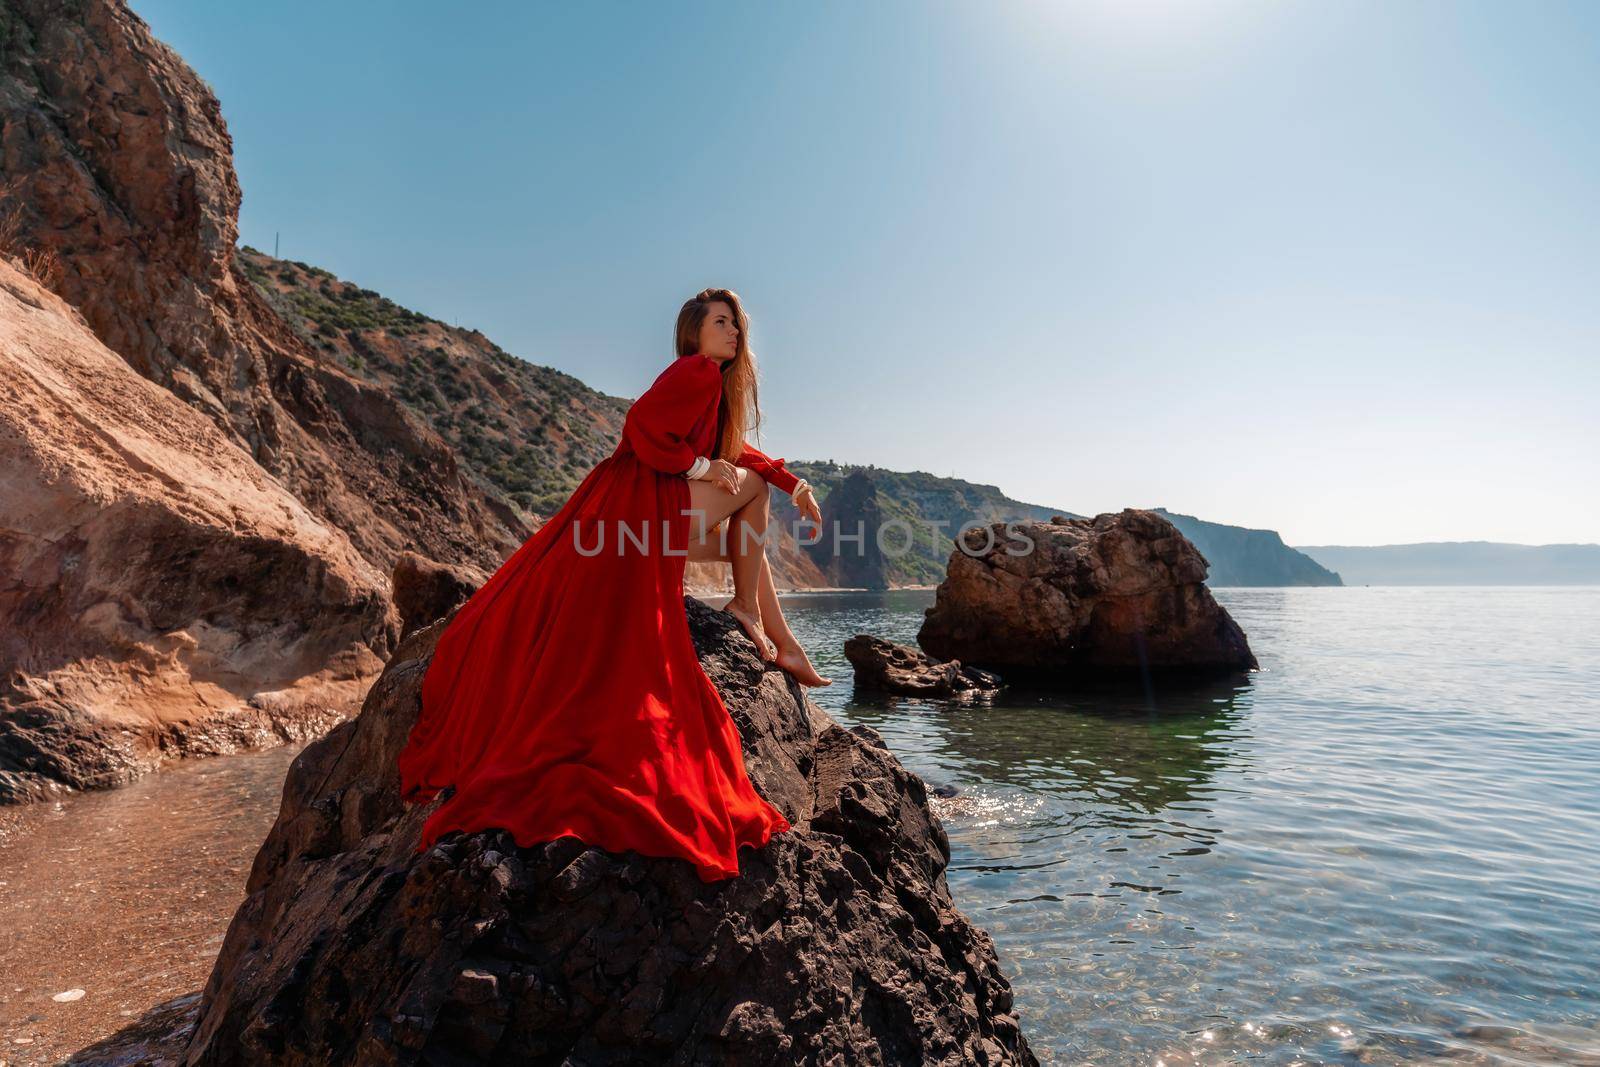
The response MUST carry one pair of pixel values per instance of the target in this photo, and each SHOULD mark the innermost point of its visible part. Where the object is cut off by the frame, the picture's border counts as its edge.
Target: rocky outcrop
(425, 590)
(163, 595)
(887, 667)
(838, 942)
(115, 157)
(1120, 594)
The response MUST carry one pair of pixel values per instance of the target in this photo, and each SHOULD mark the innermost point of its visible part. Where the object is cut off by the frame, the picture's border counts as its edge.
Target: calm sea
(1382, 847)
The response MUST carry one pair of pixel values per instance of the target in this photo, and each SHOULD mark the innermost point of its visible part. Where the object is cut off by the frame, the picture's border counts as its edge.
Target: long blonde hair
(738, 412)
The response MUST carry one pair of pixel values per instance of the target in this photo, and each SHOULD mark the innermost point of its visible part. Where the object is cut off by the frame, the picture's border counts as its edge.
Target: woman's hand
(722, 474)
(806, 501)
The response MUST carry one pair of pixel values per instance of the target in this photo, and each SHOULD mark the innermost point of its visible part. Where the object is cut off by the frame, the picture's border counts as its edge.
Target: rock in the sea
(1120, 594)
(891, 668)
(838, 941)
(163, 595)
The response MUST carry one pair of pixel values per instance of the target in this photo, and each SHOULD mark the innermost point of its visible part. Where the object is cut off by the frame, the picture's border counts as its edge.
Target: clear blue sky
(1326, 268)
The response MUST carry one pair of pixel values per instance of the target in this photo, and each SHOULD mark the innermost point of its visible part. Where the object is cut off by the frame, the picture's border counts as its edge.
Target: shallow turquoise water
(1381, 847)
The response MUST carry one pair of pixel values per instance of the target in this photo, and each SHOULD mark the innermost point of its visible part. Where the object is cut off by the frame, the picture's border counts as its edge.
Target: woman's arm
(658, 423)
(771, 469)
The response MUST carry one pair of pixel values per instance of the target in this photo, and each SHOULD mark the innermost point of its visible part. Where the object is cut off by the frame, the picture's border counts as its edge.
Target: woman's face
(719, 333)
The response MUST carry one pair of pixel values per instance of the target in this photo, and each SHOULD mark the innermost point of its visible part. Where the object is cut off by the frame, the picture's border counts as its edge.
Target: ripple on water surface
(1379, 848)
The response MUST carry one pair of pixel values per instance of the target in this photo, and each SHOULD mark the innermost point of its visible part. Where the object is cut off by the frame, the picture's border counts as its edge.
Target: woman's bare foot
(793, 659)
(751, 622)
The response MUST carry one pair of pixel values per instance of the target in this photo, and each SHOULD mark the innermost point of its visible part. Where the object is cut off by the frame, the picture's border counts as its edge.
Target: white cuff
(700, 465)
(801, 484)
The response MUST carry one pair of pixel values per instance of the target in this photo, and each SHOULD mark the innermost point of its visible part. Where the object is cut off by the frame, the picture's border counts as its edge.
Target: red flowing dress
(565, 696)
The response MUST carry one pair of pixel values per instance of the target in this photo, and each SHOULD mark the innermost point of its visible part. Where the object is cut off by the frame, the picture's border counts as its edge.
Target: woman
(565, 696)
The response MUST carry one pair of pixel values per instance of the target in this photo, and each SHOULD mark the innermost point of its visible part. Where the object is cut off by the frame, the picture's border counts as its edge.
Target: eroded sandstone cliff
(200, 512)
(115, 157)
(160, 593)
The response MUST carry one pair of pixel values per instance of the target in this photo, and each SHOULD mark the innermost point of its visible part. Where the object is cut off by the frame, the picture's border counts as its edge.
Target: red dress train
(565, 696)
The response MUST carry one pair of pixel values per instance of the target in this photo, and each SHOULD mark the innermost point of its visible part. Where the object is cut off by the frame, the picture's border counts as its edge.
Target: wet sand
(124, 895)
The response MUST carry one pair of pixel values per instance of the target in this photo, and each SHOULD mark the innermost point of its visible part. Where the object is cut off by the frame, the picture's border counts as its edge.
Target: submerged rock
(1120, 594)
(838, 941)
(891, 668)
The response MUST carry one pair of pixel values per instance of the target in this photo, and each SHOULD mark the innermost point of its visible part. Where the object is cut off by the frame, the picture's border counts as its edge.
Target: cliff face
(163, 594)
(848, 550)
(524, 431)
(201, 510)
(1242, 556)
(115, 157)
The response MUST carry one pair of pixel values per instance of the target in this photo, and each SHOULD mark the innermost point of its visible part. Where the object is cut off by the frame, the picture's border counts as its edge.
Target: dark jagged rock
(425, 590)
(155, 1039)
(1122, 594)
(891, 668)
(838, 942)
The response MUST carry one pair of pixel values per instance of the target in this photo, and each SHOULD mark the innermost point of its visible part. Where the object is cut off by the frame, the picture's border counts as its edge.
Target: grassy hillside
(528, 431)
(916, 498)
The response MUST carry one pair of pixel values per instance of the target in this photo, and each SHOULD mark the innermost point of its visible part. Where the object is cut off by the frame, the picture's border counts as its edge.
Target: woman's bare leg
(791, 656)
(742, 544)
(747, 531)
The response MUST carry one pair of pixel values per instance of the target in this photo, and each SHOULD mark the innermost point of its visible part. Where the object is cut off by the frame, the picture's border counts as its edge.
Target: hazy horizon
(1321, 269)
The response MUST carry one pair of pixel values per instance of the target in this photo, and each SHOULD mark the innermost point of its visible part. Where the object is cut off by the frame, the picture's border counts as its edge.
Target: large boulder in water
(1119, 594)
(837, 942)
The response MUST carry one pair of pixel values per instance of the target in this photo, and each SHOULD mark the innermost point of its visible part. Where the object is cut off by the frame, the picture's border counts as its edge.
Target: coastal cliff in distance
(530, 433)
(1242, 556)
(917, 512)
